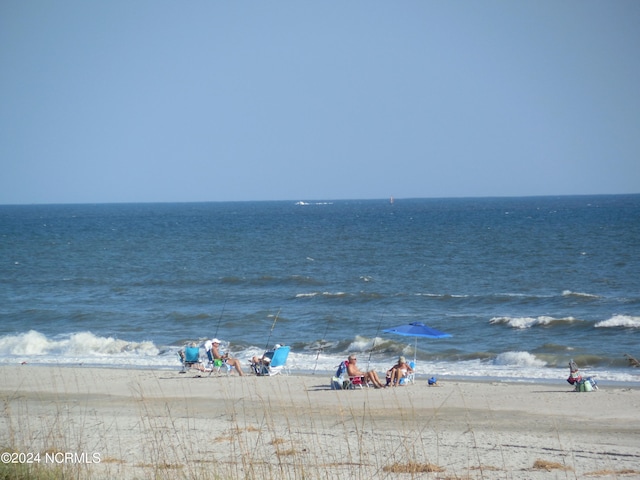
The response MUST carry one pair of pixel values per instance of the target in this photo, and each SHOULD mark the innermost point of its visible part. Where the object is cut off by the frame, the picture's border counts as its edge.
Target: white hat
(277, 346)
(215, 340)
(402, 360)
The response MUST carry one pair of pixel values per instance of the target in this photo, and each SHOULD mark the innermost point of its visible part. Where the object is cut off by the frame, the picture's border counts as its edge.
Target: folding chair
(216, 364)
(277, 365)
(190, 358)
(411, 376)
(348, 382)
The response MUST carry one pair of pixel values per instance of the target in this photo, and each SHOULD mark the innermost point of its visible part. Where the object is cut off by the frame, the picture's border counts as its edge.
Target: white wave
(324, 294)
(620, 321)
(512, 366)
(87, 343)
(364, 344)
(528, 322)
(82, 344)
(441, 295)
(30, 343)
(569, 293)
(519, 359)
(88, 349)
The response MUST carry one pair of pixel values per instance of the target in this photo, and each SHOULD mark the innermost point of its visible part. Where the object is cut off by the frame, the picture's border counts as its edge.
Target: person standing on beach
(354, 371)
(233, 362)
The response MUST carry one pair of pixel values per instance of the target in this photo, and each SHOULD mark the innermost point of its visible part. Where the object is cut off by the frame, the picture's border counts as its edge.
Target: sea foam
(520, 359)
(620, 321)
(77, 345)
(528, 322)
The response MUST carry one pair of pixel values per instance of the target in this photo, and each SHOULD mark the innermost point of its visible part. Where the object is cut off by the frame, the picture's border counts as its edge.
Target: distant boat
(391, 200)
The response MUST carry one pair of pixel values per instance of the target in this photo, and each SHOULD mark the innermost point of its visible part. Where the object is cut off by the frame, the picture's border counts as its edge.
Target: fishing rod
(321, 347)
(215, 335)
(374, 341)
(271, 331)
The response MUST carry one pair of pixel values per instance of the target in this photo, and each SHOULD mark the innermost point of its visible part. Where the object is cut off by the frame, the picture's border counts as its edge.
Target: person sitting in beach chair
(215, 364)
(190, 357)
(587, 384)
(574, 374)
(260, 365)
(358, 377)
(225, 359)
(272, 362)
(400, 374)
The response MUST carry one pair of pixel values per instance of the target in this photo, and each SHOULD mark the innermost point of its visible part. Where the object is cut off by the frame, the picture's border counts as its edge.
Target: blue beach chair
(216, 364)
(278, 362)
(191, 358)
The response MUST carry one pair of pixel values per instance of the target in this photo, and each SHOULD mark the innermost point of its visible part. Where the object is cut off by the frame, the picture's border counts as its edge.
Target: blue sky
(165, 101)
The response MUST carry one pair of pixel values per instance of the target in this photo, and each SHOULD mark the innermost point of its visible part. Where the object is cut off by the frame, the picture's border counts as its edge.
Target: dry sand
(118, 423)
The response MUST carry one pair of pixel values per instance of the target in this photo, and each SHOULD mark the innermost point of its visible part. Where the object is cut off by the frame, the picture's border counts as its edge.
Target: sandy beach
(120, 423)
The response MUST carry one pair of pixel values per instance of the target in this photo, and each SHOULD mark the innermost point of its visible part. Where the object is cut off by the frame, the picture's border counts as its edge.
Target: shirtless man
(370, 376)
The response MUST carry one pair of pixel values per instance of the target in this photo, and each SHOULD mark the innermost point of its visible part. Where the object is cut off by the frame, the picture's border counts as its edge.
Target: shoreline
(140, 421)
(329, 373)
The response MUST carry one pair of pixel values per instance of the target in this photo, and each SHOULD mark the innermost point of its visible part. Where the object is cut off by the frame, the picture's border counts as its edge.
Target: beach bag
(587, 385)
(337, 383)
(584, 385)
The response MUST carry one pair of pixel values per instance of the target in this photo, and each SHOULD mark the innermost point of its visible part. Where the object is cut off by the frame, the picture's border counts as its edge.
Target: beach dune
(126, 423)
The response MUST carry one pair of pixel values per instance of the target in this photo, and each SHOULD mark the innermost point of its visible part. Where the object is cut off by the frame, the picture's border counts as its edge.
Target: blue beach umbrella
(417, 329)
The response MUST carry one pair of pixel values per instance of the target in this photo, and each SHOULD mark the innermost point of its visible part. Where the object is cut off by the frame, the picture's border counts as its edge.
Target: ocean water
(523, 285)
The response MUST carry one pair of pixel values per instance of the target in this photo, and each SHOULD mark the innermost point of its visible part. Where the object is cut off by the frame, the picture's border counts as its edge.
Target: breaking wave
(529, 322)
(519, 359)
(620, 321)
(74, 348)
(321, 358)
